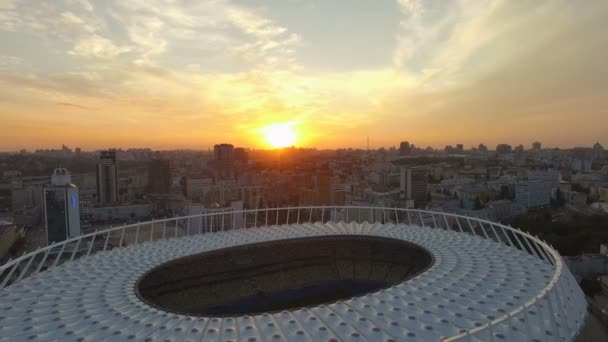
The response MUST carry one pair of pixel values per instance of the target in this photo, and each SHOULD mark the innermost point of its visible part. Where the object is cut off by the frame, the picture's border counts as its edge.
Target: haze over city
(189, 74)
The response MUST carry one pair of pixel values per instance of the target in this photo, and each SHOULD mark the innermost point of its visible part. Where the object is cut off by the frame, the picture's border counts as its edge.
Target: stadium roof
(474, 281)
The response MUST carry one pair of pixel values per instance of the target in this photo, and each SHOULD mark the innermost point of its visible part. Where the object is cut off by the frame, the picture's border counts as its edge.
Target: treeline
(579, 234)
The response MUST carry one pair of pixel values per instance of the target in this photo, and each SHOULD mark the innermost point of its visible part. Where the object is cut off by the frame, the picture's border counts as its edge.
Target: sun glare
(279, 135)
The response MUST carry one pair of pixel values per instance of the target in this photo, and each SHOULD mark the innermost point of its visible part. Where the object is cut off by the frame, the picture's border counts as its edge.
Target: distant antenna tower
(368, 143)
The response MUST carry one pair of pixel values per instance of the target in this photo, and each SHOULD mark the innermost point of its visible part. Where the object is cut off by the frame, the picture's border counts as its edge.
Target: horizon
(168, 75)
(249, 148)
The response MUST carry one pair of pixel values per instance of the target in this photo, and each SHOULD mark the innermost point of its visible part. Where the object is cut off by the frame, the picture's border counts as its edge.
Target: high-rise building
(241, 155)
(519, 148)
(598, 150)
(223, 158)
(61, 208)
(159, 176)
(322, 188)
(459, 148)
(404, 148)
(536, 146)
(413, 186)
(482, 148)
(503, 148)
(107, 177)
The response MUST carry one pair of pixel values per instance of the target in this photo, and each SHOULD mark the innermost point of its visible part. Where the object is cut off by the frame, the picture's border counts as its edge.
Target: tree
(477, 205)
(504, 192)
(559, 198)
(591, 287)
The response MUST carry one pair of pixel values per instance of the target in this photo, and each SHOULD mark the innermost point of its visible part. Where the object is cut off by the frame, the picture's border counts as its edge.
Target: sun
(279, 135)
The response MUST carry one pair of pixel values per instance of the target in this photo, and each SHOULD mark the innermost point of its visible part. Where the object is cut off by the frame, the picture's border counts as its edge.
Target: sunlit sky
(188, 74)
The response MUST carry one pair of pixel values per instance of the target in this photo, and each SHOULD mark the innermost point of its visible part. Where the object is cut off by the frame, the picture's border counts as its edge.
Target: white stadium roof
(477, 289)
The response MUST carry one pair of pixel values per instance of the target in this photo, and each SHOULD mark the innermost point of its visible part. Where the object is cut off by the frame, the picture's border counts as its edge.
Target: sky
(171, 74)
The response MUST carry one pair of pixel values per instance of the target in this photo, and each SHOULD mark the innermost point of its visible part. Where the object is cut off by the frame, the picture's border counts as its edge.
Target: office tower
(536, 146)
(223, 158)
(107, 177)
(404, 148)
(413, 186)
(61, 208)
(159, 177)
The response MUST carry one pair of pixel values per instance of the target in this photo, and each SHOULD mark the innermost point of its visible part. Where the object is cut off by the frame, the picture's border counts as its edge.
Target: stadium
(294, 274)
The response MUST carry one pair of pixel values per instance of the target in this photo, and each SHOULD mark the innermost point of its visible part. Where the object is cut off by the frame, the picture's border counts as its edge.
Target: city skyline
(454, 148)
(172, 75)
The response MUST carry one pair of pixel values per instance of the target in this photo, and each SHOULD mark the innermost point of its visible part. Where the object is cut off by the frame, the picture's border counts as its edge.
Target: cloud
(67, 104)
(8, 62)
(74, 23)
(437, 39)
(96, 46)
(226, 32)
(413, 8)
(517, 82)
(85, 4)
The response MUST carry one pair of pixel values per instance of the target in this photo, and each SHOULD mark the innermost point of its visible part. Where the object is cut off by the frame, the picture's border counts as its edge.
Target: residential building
(532, 193)
(233, 217)
(321, 188)
(241, 155)
(474, 196)
(550, 177)
(503, 149)
(25, 197)
(195, 188)
(128, 212)
(598, 150)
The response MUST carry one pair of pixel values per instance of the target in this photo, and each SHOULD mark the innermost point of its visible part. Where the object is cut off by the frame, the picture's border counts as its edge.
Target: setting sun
(279, 135)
